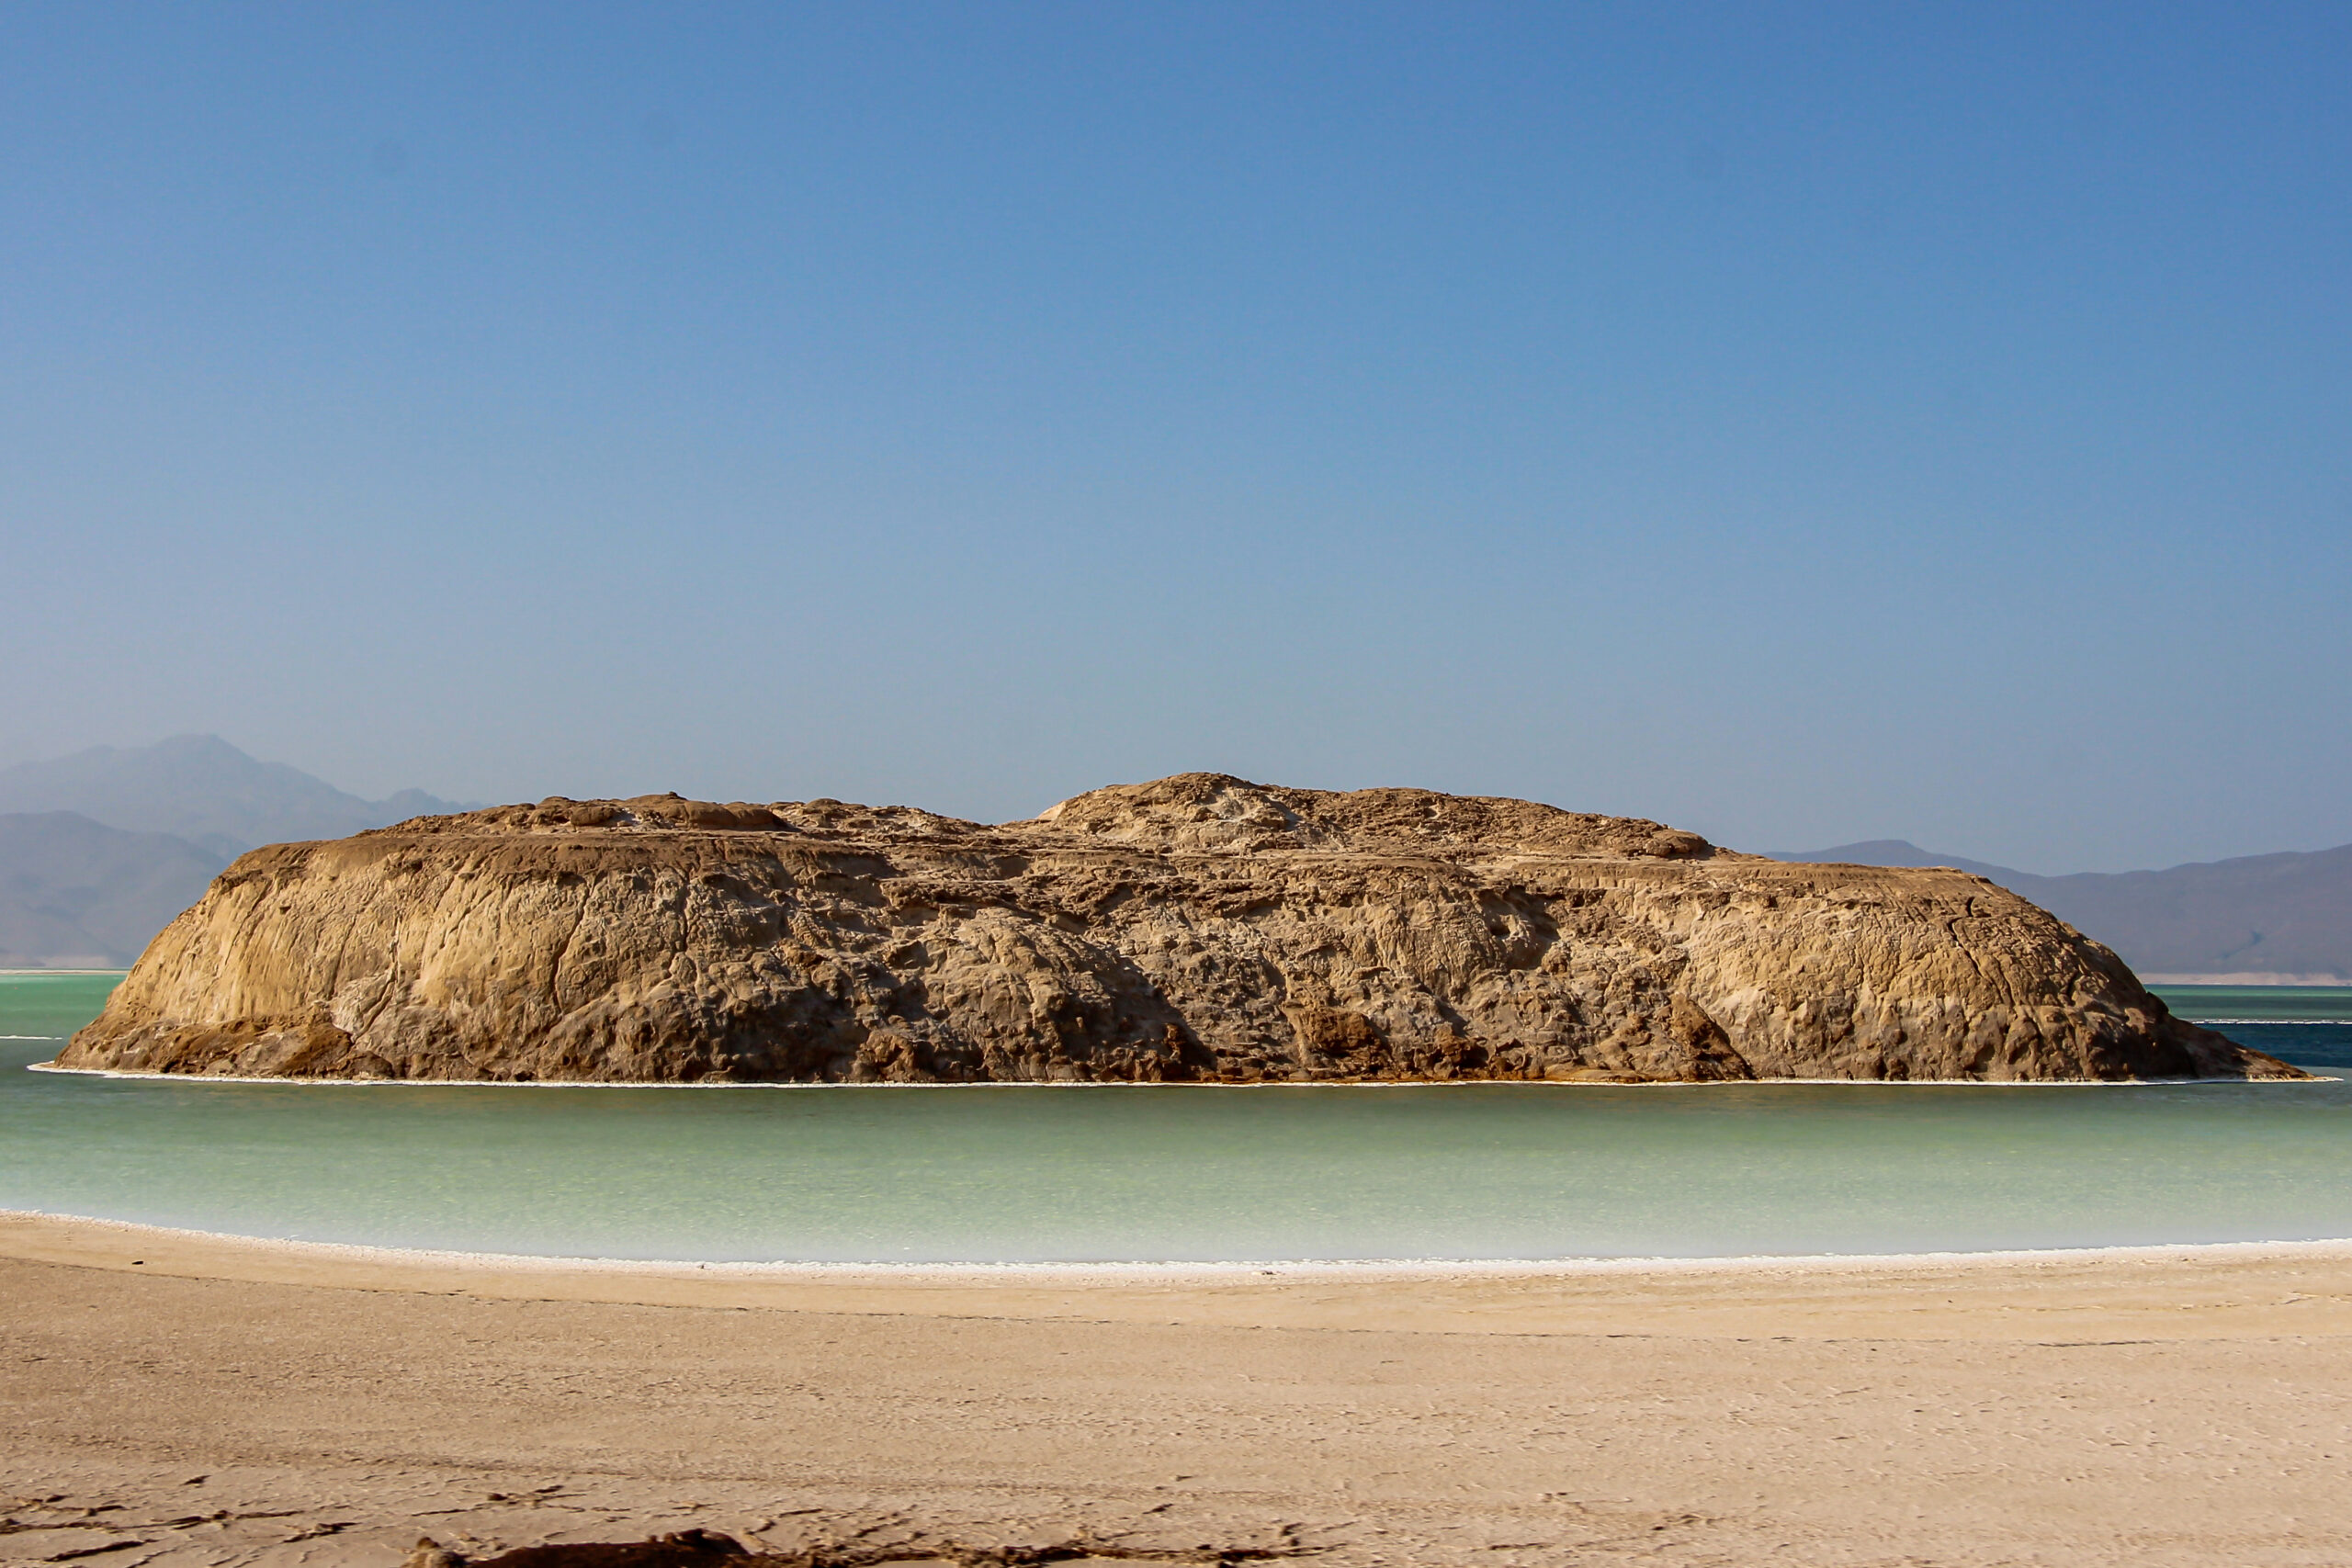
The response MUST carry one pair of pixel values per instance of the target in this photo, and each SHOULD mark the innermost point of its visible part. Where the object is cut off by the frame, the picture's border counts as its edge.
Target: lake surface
(1151, 1174)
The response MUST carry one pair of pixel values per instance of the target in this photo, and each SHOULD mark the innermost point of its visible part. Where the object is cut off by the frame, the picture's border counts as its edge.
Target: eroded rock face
(1199, 928)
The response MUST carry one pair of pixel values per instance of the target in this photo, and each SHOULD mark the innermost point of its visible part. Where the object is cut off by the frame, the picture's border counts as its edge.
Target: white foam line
(1116, 1084)
(1138, 1272)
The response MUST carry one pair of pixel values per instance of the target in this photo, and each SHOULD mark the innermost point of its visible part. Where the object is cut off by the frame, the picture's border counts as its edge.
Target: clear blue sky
(1799, 424)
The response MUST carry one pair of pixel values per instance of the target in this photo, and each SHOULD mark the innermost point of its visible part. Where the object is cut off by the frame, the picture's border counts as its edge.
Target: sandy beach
(174, 1398)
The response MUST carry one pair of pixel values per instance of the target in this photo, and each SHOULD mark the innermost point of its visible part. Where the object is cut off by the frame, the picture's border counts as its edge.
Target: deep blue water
(2308, 1025)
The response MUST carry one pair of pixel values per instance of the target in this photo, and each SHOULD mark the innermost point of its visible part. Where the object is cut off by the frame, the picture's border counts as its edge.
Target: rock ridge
(1199, 928)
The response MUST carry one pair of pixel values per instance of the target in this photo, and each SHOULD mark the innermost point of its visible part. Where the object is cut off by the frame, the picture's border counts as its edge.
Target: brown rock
(1199, 928)
(682, 1549)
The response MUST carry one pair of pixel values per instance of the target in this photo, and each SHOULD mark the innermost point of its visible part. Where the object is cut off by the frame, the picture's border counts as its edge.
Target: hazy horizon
(444, 802)
(1803, 427)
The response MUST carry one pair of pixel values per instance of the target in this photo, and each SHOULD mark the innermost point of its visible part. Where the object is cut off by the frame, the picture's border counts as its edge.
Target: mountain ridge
(78, 893)
(100, 850)
(197, 799)
(2279, 919)
(202, 789)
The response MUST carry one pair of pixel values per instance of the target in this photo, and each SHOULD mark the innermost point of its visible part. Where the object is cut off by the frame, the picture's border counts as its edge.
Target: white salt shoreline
(1359, 1271)
(1114, 1084)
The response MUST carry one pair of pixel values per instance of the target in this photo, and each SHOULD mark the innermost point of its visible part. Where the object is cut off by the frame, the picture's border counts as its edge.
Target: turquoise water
(2327, 1004)
(1152, 1174)
(2308, 1025)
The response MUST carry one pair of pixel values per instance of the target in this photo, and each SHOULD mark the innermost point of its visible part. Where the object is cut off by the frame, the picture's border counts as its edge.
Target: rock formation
(1201, 929)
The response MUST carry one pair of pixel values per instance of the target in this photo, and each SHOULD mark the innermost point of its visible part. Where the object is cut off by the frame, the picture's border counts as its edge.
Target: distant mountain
(200, 788)
(75, 894)
(1901, 851)
(2279, 917)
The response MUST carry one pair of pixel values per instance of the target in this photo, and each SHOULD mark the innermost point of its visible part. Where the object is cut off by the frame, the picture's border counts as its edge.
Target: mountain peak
(201, 788)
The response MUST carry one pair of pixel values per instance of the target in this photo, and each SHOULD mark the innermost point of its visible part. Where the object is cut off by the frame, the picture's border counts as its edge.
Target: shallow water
(1176, 1173)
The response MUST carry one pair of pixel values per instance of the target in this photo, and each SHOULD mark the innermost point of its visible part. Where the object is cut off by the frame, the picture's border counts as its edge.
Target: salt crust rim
(1368, 1270)
(1273, 1084)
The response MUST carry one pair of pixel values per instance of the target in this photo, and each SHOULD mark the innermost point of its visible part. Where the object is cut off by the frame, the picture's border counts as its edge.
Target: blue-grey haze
(1801, 424)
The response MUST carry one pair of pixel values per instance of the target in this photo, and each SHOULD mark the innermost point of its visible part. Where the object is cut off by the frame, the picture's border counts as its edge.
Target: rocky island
(1198, 928)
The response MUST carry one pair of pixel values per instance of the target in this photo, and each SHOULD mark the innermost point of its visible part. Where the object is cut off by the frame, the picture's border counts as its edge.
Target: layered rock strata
(1197, 929)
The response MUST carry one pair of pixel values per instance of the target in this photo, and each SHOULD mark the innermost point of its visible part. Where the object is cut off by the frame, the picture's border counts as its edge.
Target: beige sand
(2189, 1405)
